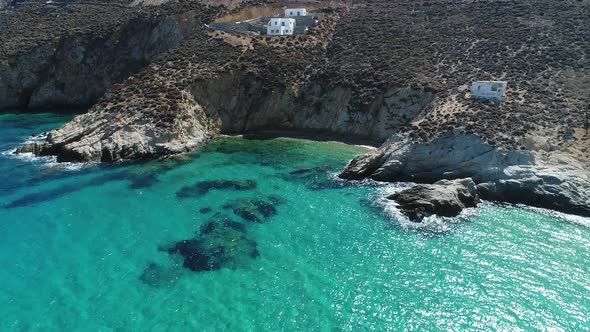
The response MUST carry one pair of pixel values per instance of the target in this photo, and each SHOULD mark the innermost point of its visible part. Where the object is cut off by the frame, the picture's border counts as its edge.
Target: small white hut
(290, 12)
(279, 26)
(495, 90)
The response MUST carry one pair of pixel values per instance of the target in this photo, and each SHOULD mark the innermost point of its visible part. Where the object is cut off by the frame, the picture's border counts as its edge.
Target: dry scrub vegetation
(541, 47)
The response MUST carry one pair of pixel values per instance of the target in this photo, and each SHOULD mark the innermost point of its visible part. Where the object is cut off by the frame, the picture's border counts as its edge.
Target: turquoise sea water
(99, 248)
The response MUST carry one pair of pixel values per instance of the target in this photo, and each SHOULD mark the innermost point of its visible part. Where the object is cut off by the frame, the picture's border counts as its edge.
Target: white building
(290, 12)
(279, 26)
(489, 90)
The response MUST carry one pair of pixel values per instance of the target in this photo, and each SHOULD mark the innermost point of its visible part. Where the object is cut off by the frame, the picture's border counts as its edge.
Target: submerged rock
(252, 209)
(202, 188)
(147, 174)
(316, 178)
(444, 198)
(156, 275)
(221, 244)
(42, 196)
(205, 210)
(143, 181)
(301, 171)
(276, 199)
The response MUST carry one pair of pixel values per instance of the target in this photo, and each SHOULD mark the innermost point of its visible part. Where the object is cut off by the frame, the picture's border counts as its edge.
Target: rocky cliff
(392, 71)
(86, 51)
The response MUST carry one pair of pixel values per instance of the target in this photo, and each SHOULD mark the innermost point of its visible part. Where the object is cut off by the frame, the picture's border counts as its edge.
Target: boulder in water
(445, 198)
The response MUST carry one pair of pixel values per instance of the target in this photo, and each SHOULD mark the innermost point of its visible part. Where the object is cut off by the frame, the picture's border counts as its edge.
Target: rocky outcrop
(445, 198)
(105, 136)
(553, 181)
(562, 187)
(451, 155)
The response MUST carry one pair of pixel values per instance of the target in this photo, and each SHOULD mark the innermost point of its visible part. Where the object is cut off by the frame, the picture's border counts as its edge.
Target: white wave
(67, 166)
(444, 224)
(571, 218)
(8, 152)
(432, 224)
(35, 138)
(30, 157)
(366, 182)
(45, 161)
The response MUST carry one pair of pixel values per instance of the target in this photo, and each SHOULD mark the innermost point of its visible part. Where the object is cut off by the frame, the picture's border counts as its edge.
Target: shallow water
(92, 248)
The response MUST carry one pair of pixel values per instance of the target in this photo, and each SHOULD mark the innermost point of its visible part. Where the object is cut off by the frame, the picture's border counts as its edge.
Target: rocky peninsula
(159, 82)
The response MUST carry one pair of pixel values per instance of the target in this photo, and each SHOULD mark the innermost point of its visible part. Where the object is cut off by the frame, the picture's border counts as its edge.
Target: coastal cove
(163, 80)
(282, 242)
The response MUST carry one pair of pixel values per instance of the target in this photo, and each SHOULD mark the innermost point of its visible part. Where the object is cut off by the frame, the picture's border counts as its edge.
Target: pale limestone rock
(103, 136)
(445, 198)
(547, 180)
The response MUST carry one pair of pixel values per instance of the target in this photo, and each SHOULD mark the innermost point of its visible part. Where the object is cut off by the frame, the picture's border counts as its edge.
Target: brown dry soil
(541, 47)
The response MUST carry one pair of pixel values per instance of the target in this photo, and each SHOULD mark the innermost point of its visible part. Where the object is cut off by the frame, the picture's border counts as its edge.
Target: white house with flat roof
(290, 12)
(495, 90)
(280, 26)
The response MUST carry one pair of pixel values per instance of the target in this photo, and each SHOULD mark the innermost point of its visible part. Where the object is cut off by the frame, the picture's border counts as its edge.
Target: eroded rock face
(110, 132)
(244, 104)
(445, 198)
(101, 135)
(554, 181)
(450, 156)
(564, 187)
(156, 275)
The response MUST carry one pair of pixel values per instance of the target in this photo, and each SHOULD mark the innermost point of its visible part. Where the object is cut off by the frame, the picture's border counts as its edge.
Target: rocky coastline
(161, 83)
(551, 180)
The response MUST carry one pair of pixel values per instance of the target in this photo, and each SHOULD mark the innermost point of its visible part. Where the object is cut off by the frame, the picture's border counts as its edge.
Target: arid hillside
(162, 81)
(540, 47)
(371, 69)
